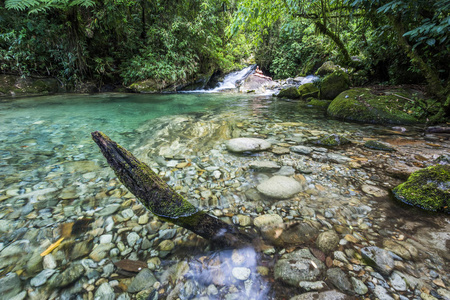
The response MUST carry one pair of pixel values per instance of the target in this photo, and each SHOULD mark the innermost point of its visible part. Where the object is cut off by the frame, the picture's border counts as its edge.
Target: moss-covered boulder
(334, 84)
(290, 93)
(375, 145)
(428, 188)
(332, 140)
(328, 67)
(361, 105)
(308, 90)
(323, 104)
(11, 85)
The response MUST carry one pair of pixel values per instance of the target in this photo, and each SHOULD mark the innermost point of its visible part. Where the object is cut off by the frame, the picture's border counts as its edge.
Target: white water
(229, 82)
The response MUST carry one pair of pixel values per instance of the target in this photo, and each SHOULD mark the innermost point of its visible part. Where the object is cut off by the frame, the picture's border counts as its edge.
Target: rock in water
(247, 144)
(298, 266)
(379, 258)
(280, 187)
(428, 188)
(145, 279)
(327, 241)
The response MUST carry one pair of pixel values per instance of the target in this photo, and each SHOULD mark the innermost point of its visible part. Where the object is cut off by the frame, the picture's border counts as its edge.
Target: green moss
(328, 67)
(333, 84)
(290, 93)
(428, 188)
(308, 90)
(332, 140)
(360, 105)
(372, 144)
(319, 103)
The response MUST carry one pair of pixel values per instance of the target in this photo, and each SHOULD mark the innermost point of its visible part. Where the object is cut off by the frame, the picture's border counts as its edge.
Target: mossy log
(158, 197)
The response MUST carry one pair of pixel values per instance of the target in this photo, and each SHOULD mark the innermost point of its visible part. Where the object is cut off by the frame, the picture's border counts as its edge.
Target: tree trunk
(335, 38)
(158, 197)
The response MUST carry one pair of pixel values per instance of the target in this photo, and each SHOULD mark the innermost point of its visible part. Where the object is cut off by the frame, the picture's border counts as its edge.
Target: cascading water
(229, 82)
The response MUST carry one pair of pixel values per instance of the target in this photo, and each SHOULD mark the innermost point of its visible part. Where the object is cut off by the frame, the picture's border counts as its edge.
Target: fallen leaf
(52, 247)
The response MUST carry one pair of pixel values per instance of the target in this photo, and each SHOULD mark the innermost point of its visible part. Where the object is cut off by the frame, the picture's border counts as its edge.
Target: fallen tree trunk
(158, 197)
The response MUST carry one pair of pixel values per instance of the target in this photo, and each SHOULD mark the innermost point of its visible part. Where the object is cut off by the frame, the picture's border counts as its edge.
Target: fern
(37, 6)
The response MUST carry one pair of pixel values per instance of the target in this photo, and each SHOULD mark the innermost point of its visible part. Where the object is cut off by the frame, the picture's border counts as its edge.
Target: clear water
(39, 134)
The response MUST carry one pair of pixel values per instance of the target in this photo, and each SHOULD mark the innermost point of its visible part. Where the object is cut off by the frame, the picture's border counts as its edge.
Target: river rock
(247, 144)
(69, 275)
(241, 273)
(379, 258)
(143, 280)
(279, 187)
(264, 166)
(10, 285)
(42, 277)
(371, 144)
(428, 188)
(293, 234)
(328, 295)
(339, 279)
(358, 286)
(334, 84)
(83, 248)
(301, 149)
(401, 248)
(381, 293)
(268, 220)
(100, 251)
(374, 191)
(132, 238)
(397, 282)
(361, 105)
(105, 291)
(332, 140)
(327, 241)
(297, 266)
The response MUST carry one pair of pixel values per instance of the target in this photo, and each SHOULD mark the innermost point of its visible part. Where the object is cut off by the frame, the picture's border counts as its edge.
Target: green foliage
(39, 6)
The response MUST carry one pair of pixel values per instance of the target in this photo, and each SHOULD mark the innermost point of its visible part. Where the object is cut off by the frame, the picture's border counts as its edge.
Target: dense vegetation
(174, 41)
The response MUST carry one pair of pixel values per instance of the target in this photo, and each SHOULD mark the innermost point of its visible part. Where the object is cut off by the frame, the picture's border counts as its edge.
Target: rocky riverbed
(330, 228)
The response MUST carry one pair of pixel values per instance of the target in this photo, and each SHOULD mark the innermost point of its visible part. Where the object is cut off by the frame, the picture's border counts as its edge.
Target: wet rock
(100, 251)
(285, 171)
(428, 188)
(358, 286)
(242, 220)
(49, 262)
(328, 295)
(241, 273)
(401, 248)
(339, 279)
(332, 140)
(337, 158)
(20, 296)
(397, 282)
(334, 84)
(34, 264)
(167, 234)
(10, 285)
(301, 149)
(143, 280)
(308, 90)
(247, 144)
(297, 266)
(108, 210)
(268, 220)
(379, 258)
(105, 291)
(374, 191)
(83, 248)
(381, 293)
(279, 187)
(327, 241)
(132, 238)
(41, 278)
(264, 166)
(326, 68)
(290, 93)
(280, 150)
(378, 146)
(312, 285)
(69, 275)
(360, 105)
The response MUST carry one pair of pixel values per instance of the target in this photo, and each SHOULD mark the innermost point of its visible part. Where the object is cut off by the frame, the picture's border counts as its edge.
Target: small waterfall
(229, 82)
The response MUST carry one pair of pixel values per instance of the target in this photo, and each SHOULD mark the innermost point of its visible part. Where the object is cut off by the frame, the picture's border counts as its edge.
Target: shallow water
(52, 173)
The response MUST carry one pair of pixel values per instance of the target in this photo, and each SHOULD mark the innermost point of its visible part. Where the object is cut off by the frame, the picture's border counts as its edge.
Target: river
(56, 187)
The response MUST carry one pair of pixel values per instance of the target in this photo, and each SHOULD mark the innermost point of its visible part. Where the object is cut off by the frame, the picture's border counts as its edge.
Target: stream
(56, 188)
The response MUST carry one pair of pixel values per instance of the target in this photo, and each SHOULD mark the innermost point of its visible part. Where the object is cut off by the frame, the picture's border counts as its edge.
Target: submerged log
(158, 197)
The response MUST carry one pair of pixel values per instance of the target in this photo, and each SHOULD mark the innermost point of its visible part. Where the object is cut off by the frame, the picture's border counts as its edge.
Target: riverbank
(341, 235)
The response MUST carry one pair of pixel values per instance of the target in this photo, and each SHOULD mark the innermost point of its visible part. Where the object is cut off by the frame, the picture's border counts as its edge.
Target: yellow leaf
(52, 247)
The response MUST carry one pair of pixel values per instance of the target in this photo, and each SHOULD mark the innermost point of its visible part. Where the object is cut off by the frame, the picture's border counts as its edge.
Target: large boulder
(11, 85)
(279, 187)
(328, 67)
(290, 93)
(428, 188)
(334, 84)
(361, 105)
(254, 83)
(308, 90)
(149, 86)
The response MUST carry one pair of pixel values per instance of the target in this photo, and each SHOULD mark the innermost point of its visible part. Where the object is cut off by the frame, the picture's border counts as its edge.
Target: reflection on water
(53, 178)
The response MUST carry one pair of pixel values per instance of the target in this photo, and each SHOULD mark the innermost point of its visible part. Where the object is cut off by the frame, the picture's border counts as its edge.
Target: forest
(119, 42)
